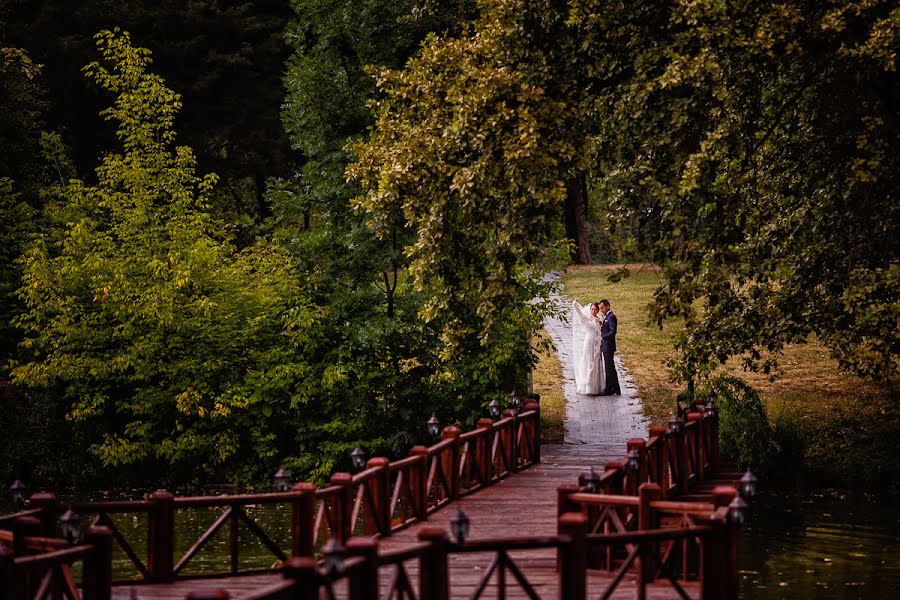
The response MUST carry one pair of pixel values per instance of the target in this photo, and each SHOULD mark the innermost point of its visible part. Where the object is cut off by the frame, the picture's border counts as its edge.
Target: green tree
(226, 58)
(165, 343)
(753, 149)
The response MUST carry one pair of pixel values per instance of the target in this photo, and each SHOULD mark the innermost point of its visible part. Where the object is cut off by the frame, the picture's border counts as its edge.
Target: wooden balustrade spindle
(48, 506)
(302, 571)
(535, 430)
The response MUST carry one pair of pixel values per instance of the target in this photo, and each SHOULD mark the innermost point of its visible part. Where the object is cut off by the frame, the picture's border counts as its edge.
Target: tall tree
(224, 56)
(173, 349)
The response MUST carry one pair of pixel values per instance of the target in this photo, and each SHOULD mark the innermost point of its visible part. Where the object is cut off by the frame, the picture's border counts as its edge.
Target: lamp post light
(358, 458)
(434, 427)
(737, 510)
(459, 524)
(592, 483)
(634, 461)
(515, 400)
(282, 480)
(676, 425)
(17, 489)
(494, 409)
(70, 522)
(712, 411)
(333, 552)
(748, 485)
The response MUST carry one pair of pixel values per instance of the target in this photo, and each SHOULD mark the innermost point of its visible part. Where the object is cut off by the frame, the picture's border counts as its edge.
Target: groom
(608, 348)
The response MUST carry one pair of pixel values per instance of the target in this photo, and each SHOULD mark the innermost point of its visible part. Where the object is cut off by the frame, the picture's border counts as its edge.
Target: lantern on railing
(676, 425)
(737, 511)
(515, 400)
(634, 461)
(494, 409)
(712, 411)
(333, 551)
(282, 480)
(748, 485)
(592, 482)
(459, 524)
(434, 427)
(358, 458)
(17, 489)
(70, 524)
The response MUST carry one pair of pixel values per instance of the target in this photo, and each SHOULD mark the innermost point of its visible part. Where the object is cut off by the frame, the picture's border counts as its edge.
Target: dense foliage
(166, 344)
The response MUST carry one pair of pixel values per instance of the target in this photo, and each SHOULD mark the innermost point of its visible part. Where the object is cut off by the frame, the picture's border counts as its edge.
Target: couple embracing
(594, 344)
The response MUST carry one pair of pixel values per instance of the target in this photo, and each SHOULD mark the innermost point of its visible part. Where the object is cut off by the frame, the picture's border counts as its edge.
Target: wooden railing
(35, 567)
(369, 575)
(384, 497)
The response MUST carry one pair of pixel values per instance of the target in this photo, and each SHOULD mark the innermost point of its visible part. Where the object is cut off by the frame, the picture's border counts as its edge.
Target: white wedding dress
(590, 378)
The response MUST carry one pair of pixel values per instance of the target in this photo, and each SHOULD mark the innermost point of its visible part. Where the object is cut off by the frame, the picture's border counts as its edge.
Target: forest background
(346, 233)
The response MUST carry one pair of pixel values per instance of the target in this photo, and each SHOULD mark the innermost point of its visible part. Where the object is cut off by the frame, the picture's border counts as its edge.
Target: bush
(745, 435)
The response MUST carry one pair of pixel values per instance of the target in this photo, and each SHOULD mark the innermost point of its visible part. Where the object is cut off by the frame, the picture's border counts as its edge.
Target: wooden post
(636, 479)
(535, 429)
(563, 503)
(364, 582)
(24, 582)
(681, 460)
(7, 573)
(572, 556)
(647, 493)
(97, 580)
(302, 571)
(378, 518)
(418, 480)
(662, 457)
(450, 460)
(618, 487)
(48, 507)
(714, 444)
(483, 451)
(343, 506)
(434, 582)
(726, 578)
(161, 536)
(508, 439)
(696, 448)
(303, 520)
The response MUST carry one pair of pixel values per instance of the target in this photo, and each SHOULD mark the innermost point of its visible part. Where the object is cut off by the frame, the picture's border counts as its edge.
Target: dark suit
(608, 349)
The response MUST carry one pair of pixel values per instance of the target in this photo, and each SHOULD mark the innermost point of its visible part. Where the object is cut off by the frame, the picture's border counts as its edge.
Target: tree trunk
(576, 218)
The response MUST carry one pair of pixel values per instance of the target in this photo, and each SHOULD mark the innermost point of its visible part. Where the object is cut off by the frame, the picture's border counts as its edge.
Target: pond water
(821, 544)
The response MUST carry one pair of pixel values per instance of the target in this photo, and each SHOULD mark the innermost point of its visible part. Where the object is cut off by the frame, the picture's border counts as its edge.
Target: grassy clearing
(548, 382)
(829, 417)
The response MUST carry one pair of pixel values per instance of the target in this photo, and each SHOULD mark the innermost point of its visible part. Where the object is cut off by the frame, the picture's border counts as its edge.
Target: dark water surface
(821, 544)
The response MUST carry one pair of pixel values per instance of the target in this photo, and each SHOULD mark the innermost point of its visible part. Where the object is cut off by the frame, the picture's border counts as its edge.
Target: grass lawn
(829, 416)
(548, 382)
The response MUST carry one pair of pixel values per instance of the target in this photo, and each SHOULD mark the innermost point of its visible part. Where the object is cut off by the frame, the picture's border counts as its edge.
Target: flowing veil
(589, 376)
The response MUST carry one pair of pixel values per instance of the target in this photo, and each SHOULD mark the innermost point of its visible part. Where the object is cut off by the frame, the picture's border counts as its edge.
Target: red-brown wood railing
(381, 499)
(35, 567)
(304, 579)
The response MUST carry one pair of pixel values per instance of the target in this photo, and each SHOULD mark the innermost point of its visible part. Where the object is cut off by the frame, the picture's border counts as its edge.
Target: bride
(588, 361)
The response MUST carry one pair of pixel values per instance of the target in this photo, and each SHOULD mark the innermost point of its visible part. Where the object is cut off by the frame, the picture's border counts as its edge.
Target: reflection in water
(822, 544)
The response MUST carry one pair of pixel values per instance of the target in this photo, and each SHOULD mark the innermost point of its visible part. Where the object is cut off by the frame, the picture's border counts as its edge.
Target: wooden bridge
(485, 513)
